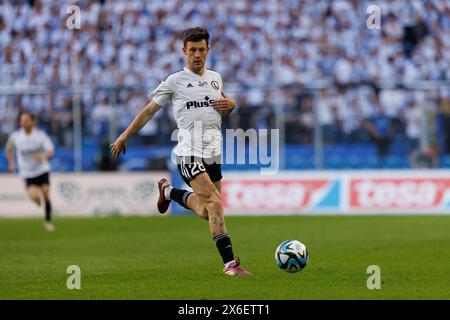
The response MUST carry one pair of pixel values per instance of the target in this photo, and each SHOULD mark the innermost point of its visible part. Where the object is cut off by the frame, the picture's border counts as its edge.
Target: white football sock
(228, 263)
(167, 192)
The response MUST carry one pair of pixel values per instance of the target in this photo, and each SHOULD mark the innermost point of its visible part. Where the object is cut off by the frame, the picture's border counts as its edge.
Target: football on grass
(291, 256)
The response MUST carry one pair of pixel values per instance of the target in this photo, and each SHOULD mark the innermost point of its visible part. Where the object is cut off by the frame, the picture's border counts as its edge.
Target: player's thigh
(33, 192)
(200, 205)
(204, 188)
(213, 167)
(218, 186)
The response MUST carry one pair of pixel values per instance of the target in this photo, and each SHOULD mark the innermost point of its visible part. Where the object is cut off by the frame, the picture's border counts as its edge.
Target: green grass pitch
(175, 258)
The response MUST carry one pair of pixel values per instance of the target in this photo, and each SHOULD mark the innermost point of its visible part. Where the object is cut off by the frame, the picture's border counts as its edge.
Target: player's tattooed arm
(224, 106)
(144, 116)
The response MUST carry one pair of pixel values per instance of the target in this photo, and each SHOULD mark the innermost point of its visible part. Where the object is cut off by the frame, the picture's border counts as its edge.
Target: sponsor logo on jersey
(199, 104)
(189, 85)
(202, 84)
(28, 152)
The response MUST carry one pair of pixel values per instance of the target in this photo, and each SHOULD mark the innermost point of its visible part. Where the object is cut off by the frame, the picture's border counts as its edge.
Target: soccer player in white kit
(33, 148)
(198, 103)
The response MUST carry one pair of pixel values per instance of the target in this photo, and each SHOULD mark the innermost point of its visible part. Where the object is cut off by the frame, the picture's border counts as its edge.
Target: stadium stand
(269, 52)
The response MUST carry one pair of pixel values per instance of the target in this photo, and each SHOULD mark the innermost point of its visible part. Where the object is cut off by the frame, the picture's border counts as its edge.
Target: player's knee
(204, 213)
(214, 204)
(34, 196)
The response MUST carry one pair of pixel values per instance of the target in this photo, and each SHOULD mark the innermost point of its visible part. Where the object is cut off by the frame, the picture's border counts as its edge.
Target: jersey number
(196, 168)
(190, 170)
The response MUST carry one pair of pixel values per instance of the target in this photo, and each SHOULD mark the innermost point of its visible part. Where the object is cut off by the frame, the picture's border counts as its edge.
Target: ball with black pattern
(291, 256)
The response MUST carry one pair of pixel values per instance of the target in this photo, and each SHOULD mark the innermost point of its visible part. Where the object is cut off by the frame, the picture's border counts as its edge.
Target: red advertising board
(350, 192)
(397, 193)
(270, 195)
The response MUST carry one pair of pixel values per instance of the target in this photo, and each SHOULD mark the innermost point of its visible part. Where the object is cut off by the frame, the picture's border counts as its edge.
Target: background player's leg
(34, 193)
(48, 204)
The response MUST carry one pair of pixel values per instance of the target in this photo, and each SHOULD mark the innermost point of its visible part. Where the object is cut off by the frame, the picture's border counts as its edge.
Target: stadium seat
(393, 161)
(334, 162)
(444, 161)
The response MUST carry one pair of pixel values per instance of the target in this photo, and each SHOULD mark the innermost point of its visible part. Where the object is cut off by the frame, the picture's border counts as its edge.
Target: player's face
(196, 53)
(26, 122)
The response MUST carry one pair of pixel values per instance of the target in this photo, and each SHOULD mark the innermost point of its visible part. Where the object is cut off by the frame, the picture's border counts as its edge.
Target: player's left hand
(40, 156)
(225, 105)
(117, 147)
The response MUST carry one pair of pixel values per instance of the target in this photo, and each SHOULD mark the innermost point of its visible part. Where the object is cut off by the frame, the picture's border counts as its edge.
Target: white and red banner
(244, 193)
(13, 198)
(398, 194)
(351, 192)
(273, 195)
(85, 194)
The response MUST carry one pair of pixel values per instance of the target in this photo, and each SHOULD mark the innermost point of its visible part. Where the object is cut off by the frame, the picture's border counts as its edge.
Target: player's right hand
(117, 147)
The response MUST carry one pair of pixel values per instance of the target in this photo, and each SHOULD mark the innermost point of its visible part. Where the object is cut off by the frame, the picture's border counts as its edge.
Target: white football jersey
(26, 146)
(191, 96)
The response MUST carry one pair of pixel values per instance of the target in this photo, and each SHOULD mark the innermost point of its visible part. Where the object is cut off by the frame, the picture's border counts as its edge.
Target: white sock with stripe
(167, 192)
(226, 265)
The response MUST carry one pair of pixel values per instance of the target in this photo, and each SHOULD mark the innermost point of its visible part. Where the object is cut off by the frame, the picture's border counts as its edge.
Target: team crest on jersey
(215, 85)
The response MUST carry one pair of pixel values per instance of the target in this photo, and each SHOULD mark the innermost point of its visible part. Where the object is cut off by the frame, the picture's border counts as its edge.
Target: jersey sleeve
(164, 92)
(47, 143)
(11, 143)
(220, 82)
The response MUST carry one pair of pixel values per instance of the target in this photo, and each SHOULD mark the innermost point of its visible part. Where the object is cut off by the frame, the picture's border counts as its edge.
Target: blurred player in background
(199, 104)
(33, 148)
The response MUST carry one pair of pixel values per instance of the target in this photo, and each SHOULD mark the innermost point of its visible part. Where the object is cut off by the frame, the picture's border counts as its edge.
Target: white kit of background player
(32, 147)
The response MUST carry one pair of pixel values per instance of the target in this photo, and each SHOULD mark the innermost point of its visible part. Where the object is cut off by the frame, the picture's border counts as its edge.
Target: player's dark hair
(32, 116)
(195, 34)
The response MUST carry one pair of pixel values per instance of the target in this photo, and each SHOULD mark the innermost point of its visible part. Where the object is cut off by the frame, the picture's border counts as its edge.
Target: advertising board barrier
(85, 194)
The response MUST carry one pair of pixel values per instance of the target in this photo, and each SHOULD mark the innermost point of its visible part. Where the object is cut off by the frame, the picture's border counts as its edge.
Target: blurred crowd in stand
(297, 63)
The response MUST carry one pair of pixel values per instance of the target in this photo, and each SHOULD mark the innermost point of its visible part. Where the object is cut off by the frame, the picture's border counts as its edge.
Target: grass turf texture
(175, 258)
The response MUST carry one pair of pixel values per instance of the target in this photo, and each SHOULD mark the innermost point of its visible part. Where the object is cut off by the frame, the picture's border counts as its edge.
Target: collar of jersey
(190, 71)
(28, 134)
